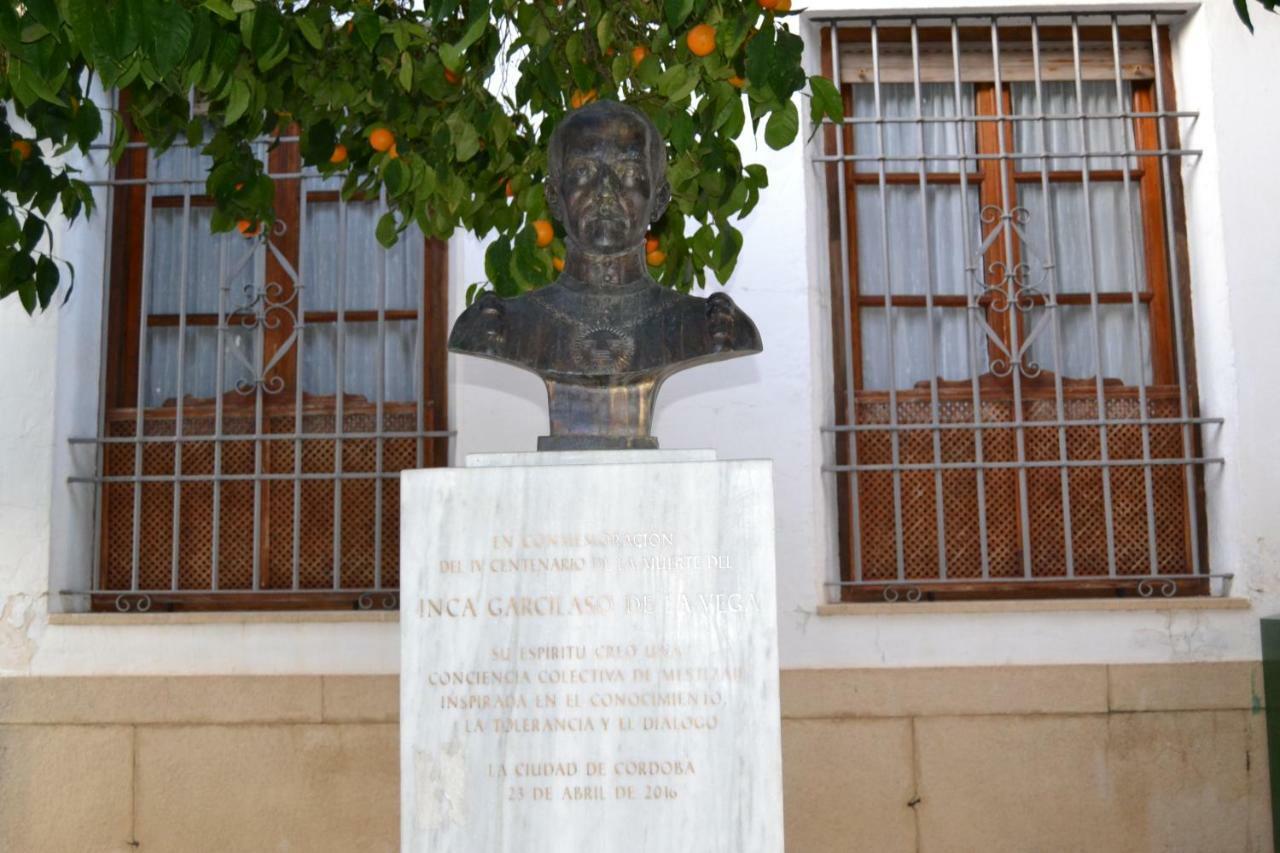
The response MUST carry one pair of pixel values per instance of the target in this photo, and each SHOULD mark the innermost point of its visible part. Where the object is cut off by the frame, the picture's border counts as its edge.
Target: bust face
(605, 183)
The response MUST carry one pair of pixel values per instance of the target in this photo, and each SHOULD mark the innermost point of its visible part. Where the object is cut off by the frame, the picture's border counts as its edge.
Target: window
(261, 393)
(1016, 408)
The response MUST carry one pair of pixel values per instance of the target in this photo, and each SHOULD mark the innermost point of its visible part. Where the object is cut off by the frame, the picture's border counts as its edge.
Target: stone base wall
(1057, 758)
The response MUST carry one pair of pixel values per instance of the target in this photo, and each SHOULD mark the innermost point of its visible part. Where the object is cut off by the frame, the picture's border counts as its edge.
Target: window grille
(1015, 403)
(261, 393)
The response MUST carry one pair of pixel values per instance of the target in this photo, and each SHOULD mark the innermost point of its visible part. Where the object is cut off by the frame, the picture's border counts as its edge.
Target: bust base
(597, 442)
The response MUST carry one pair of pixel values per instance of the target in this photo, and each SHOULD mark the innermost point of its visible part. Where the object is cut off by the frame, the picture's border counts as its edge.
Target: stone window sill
(224, 617)
(1046, 605)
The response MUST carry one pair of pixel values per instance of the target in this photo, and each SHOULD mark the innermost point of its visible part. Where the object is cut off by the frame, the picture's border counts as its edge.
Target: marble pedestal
(589, 655)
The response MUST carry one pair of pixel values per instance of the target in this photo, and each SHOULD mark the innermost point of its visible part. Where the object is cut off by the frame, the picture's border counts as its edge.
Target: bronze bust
(604, 336)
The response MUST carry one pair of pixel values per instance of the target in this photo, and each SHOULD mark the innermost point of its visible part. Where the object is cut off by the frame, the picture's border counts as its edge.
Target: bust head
(607, 177)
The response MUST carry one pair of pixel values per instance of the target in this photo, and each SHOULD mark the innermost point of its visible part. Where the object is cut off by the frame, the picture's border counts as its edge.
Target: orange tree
(446, 104)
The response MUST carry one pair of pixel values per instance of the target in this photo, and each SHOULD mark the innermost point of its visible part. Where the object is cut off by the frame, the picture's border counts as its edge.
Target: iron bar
(1012, 287)
(1028, 464)
(299, 289)
(899, 546)
(1138, 325)
(185, 238)
(1055, 317)
(846, 290)
(938, 497)
(1079, 155)
(1095, 327)
(99, 453)
(1091, 422)
(1175, 299)
(264, 477)
(973, 355)
(202, 438)
(380, 381)
(141, 390)
(339, 418)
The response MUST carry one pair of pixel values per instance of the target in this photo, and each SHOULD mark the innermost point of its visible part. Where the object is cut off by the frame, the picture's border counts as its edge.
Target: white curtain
(210, 257)
(902, 139)
(959, 345)
(1067, 135)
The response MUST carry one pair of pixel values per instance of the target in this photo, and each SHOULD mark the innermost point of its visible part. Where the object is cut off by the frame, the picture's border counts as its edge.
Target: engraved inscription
(622, 688)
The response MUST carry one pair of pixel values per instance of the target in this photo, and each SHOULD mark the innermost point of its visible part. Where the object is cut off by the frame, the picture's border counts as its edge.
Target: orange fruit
(767, 4)
(782, 6)
(23, 147)
(239, 186)
(701, 39)
(656, 258)
(638, 53)
(339, 154)
(610, 52)
(651, 243)
(453, 78)
(382, 139)
(544, 231)
(737, 81)
(581, 98)
(558, 263)
(510, 192)
(393, 153)
(247, 228)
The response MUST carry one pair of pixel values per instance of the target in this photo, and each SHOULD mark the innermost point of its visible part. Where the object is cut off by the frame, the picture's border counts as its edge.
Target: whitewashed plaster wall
(769, 406)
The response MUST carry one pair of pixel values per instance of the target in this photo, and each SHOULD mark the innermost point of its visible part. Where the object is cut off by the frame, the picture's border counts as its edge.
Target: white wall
(768, 406)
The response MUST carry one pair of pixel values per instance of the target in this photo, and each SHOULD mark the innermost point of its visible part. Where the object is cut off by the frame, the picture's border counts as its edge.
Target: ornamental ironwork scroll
(1005, 287)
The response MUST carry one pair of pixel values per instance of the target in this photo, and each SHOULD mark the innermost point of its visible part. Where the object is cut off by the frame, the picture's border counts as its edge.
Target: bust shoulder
(726, 328)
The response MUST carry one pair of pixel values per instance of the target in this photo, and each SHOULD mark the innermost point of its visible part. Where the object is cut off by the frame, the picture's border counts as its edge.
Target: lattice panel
(271, 504)
(997, 492)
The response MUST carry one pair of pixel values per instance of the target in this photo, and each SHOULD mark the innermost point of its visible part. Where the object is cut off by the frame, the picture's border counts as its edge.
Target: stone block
(848, 786)
(1120, 782)
(1260, 818)
(1218, 686)
(160, 699)
(361, 698)
(318, 788)
(932, 691)
(66, 788)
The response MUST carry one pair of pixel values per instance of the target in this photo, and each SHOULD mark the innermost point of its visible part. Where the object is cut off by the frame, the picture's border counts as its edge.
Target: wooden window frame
(988, 178)
(124, 327)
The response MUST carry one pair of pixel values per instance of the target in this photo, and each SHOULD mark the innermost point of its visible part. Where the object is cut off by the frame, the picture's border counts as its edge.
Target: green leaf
(396, 176)
(782, 127)
(677, 11)
(46, 12)
(386, 230)
(310, 32)
(107, 35)
(27, 293)
(164, 31)
(726, 252)
(466, 142)
(368, 26)
(451, 57)
(826, 100)
(238, 103)
(406, 72)
(220, 8)
(22, 74)
(46, 280)
(1242, 10)
(473, 33)
(32, 230)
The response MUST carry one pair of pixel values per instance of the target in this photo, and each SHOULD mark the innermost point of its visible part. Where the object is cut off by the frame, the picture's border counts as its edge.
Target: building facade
(1024, 493)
